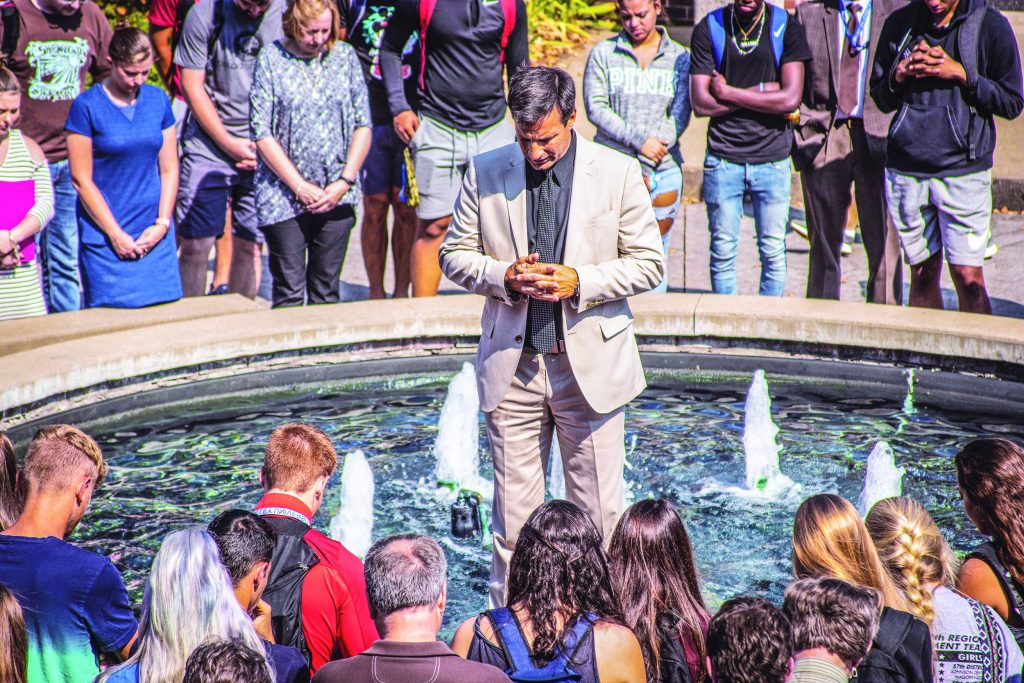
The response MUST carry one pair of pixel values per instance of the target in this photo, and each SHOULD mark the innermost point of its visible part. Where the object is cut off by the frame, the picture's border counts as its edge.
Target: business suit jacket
(820, 19)
(612, 240)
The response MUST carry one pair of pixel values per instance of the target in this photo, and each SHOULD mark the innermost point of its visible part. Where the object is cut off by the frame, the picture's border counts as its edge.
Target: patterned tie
(541, 314)
(849, 64)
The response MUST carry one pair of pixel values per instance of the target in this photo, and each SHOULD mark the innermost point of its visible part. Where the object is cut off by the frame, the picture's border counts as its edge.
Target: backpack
(523, 669)
(508, 10)
(674, 665)
(291, 561)
(777, 32)
(10, 22)
(180, 12)
(881, 665)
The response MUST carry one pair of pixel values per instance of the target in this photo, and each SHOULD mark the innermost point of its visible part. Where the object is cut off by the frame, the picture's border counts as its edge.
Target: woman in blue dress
(124, 164)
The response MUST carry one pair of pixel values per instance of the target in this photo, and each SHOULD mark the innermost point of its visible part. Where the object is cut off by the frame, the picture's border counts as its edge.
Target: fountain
(457, 447)
(760, 449)
(883, 479)
(908, 402)
(556, 476)
(352, 525)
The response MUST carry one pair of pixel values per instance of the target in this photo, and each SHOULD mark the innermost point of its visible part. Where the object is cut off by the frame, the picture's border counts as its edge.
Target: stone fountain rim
(113, 354)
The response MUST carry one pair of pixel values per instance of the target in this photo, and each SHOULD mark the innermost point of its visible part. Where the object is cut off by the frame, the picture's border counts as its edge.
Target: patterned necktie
(541, 314)
(849, 64)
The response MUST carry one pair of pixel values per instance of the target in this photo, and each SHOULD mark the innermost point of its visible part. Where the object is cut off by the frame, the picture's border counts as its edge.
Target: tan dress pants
(545, 400)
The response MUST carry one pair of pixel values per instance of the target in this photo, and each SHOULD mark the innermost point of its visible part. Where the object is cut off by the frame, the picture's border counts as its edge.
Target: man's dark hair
(833, 614)
(534, 91)
(226, 661)
(243, 539)
(749, 641)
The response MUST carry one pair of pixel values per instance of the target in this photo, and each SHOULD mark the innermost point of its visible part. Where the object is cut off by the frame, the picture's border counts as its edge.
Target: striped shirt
(21, 293)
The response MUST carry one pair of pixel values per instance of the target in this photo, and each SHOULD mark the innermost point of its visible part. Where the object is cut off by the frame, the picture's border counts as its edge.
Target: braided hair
(913, 551)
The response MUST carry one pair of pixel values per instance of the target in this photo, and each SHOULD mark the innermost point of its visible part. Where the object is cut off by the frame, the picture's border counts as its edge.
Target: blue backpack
(523, 669)
(716, 27)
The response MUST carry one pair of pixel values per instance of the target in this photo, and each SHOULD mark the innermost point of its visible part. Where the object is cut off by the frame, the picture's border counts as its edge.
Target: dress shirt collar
(845, 5)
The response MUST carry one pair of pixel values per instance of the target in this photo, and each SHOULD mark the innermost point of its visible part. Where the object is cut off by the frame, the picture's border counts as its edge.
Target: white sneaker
(846, 249)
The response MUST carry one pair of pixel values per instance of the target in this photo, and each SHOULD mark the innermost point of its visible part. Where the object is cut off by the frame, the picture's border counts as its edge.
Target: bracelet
(350, 183)
(166, 222)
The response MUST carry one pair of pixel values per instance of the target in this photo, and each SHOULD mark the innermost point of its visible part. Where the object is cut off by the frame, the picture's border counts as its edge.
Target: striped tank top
(27, 190)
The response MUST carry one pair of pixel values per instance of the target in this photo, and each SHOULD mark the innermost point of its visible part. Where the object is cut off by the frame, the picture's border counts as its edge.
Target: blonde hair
(913, 550)
(8, 81)
(829, 539)
(56, 455)
(302, 12)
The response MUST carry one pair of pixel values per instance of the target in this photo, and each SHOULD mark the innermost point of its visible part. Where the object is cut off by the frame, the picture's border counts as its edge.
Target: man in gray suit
(556, 232)
(840, 141)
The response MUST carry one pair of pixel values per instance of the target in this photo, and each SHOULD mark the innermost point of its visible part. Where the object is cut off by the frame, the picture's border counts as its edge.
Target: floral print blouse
(311, 107)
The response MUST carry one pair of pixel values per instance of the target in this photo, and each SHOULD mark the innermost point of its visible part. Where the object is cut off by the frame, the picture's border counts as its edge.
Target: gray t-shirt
(971, 642)
(229, 65)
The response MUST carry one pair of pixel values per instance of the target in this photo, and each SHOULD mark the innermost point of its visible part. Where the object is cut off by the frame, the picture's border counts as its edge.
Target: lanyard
(284, 512)
(857, 40)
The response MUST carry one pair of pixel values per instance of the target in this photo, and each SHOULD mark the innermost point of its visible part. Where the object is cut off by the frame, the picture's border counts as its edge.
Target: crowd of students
(262, 596)
(276, 132)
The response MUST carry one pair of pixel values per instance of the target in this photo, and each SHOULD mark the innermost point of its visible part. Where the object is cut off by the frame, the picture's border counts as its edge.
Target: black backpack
(884, 663)
(10, 22)
(674, 667)
(292, 560)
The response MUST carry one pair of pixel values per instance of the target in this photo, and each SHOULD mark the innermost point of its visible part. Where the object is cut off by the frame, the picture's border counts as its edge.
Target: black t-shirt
(463, 76)
(748, 136)
(365, 21)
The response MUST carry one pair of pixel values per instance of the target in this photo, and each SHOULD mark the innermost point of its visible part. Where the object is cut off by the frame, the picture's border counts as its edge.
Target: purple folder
(17, 197)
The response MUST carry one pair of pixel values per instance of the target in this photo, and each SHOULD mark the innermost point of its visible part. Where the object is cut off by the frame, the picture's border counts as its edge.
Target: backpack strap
(426, 12)
(716, 29)
(512, 641)
(967, 42)
(216, 28)
(893, 631)
(573, 639)
(508, 11)
(11, 26)
(780, 19)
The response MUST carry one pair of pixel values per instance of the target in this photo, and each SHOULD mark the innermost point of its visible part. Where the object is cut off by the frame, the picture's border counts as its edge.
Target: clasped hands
(926, 61)
(128, 249)
(529, 276)
(318, 199)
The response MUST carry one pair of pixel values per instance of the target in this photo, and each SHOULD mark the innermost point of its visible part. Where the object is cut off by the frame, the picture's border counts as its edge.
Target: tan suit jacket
(612, 240)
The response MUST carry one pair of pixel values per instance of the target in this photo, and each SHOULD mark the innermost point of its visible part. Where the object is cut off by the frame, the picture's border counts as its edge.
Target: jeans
(768, 185)
(58, 245)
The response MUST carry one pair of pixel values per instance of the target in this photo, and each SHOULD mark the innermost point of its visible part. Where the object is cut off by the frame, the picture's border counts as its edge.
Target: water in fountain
(353, 523)
(759, 446)
(556, 477)
(456, 450)
(908, 402)
(883, 479)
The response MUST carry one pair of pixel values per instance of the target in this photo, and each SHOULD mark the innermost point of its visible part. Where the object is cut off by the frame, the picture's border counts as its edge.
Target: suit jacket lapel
(515, 197)
(582, 184)
(830, 26)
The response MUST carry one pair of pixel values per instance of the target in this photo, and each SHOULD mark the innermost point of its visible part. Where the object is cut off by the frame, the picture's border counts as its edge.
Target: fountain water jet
(883, 479)
(759, 446)
(352, 525)
(457, 448)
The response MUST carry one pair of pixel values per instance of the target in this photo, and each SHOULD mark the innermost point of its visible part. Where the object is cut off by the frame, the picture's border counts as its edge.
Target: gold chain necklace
(745, 45)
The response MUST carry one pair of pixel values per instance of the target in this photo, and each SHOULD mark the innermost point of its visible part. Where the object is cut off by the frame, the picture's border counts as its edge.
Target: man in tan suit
(840, 142)
(556, 232)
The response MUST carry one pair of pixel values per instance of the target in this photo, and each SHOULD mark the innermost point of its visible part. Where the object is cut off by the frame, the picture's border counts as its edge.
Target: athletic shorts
(932, 214)
(382, 169)
(208, 182)
(440, 157)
